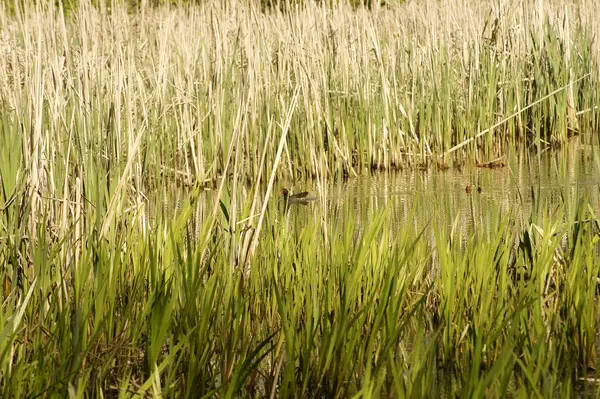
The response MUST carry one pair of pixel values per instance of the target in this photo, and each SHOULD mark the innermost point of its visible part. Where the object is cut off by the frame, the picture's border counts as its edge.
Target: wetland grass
(110, 289)
(507, 308)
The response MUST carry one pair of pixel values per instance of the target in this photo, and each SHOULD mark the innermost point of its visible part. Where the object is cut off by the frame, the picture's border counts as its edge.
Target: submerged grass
(108, 292)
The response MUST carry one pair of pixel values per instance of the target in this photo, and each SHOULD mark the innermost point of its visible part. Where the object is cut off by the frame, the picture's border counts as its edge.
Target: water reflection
(415, 197)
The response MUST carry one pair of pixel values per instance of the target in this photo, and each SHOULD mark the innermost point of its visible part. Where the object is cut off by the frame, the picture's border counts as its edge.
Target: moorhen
(299, 198)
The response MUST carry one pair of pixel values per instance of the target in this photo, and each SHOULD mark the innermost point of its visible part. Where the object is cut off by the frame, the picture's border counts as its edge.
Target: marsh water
(412, 198)
(467, 198)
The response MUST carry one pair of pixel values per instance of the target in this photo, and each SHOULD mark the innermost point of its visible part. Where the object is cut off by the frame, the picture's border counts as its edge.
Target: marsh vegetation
(144, 251)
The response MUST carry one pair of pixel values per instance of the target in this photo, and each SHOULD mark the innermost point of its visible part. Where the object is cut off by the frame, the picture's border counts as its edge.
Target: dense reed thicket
(395, 86)
(105, 115)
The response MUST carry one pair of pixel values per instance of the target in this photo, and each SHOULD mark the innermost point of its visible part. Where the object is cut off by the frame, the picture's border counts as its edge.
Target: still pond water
(414, 197)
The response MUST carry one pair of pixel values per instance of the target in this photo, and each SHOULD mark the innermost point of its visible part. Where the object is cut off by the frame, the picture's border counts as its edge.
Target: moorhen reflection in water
(302, 198)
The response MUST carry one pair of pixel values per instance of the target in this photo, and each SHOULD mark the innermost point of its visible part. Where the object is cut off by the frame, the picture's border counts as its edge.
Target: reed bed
(333, 309)
(106, 113)
(392, 87)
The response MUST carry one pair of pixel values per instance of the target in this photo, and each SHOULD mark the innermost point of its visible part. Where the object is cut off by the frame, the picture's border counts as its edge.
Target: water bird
(299, 198)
